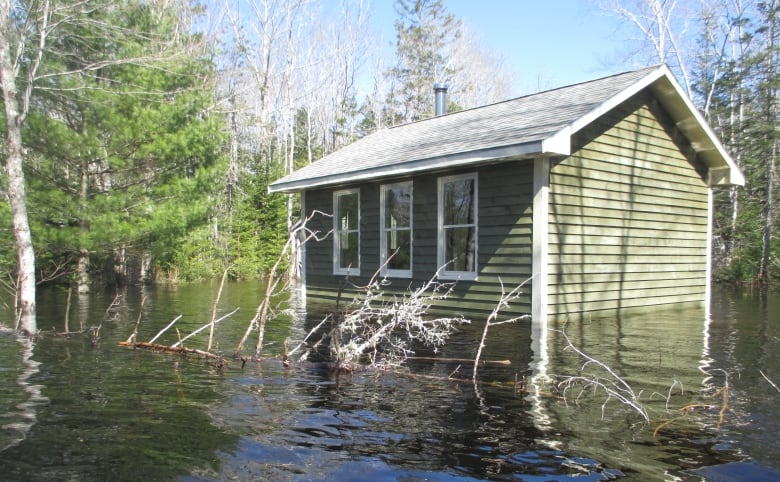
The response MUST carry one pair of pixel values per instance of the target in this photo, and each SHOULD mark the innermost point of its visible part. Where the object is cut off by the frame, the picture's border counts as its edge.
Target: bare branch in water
(768, 380)
(611, 384)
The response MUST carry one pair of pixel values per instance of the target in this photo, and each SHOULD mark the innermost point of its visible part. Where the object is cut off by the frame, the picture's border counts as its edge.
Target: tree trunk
(120, 267)
(766, 253)
(82, 268)
(82, 272)
(16, 189)
(145, 275)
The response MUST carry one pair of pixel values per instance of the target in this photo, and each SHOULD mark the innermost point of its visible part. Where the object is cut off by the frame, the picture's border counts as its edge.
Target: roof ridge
(526, 96)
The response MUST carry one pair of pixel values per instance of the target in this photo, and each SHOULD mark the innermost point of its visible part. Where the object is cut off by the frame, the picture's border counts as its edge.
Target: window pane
(458, 198)
(348, 256)
(399, 249)
(460, 249)
(348, 211)
(398, 201)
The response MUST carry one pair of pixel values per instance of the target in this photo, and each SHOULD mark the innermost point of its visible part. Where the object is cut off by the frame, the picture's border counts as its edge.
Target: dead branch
(613, 385)
(274, 279)
(170, 349)
(166, 329)
(309, 335)
(503, 302)
(214, 308)
(458, 360)
(177, 344)
(769, 381)
(384, 329)
(67, 311)
(132, 337)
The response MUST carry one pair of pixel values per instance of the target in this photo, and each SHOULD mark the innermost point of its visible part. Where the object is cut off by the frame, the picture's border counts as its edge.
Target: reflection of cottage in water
(601, 191)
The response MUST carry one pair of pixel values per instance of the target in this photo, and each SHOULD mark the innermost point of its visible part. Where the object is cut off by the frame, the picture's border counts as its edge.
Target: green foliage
(125, 157)
(259, 230)
(741, 99)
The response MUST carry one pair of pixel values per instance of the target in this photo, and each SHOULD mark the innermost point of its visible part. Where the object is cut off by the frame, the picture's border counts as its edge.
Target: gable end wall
(628, 217)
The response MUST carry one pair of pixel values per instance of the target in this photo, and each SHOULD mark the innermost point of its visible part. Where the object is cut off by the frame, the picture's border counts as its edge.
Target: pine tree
(425, 33)
(121, 160)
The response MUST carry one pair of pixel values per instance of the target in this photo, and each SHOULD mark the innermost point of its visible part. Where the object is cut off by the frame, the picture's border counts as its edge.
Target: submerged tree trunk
(120, 266)
(82, 272)
(17, 195)
(766, 253)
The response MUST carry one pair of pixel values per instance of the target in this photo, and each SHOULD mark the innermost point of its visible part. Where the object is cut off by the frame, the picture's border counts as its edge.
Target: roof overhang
(722, 168)
(517, 151)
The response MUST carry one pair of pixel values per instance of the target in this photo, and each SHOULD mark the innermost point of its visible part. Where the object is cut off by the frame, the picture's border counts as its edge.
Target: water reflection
(123, 415)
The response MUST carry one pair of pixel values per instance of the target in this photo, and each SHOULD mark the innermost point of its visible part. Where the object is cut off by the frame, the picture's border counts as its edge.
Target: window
(396, 225)
(346, 232)
(457, 244)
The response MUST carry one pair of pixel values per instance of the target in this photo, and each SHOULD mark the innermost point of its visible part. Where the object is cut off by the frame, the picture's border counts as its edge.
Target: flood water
(78, 411)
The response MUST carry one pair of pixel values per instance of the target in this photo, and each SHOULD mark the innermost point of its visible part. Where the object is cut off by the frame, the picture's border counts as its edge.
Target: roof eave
(724, 171)
(549, 146)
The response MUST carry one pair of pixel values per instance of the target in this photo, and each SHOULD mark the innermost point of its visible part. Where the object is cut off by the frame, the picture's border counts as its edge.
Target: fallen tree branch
(613, 385)
(178, 343)
(165, 329)
(503, 302)
(214, 308)
(458, 360)
(132, 337)
(170, 349)
(768, 380)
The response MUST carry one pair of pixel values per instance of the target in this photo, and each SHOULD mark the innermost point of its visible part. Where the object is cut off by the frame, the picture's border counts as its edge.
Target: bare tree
(479, 74)
(663, 26)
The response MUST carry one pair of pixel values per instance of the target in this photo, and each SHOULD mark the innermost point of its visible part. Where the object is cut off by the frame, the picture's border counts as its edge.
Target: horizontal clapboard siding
(628, 217)
(505, 243)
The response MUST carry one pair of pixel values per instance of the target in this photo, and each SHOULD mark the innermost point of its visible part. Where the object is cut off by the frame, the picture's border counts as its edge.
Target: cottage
(600, 193)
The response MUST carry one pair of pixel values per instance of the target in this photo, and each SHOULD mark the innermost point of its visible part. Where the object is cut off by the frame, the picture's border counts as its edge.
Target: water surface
(110, 413)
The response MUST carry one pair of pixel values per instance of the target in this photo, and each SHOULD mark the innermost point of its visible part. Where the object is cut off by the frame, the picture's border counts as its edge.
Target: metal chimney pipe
(440, 91)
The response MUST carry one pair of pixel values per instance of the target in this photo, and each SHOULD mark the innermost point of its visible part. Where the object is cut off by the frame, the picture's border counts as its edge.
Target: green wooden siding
(504, 241)
(627, 218)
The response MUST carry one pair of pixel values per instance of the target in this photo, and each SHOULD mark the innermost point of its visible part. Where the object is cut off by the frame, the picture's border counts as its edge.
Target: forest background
(140, 137)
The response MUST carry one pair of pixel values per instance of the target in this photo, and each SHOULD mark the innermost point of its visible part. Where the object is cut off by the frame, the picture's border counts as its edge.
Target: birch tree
(62, 48)
(23, 33)
(664, 32)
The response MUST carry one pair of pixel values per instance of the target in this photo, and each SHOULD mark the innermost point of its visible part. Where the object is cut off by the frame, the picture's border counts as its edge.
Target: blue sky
(546, 43)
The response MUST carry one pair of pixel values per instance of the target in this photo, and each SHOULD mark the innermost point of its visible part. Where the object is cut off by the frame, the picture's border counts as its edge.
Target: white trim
(440, 245)
(383, 252)
(337, 268)
(302, 253)
(708, 271)
(541, 238)
(449, 161)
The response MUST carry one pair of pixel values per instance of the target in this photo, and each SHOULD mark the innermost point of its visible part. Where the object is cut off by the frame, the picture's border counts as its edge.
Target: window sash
(457, 230)
(396, 230)
(346, 232)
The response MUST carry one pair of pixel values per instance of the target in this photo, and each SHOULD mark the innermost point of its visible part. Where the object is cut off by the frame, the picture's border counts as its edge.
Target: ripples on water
(117, 414)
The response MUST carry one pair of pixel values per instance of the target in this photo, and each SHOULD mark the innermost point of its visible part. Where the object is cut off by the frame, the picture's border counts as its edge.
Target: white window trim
(440, 246)
(383, 249)
(337, 269)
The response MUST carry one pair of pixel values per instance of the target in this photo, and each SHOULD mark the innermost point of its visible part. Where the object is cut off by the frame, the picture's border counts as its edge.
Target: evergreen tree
(122, 160)
(425, 33)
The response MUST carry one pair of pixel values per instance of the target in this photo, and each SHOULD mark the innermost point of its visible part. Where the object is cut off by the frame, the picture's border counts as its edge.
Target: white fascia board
(558, 143)
(618, 99)
(708, 146)
(526, 149)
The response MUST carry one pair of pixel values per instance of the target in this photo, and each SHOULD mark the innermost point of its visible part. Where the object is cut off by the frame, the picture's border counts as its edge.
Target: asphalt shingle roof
(517, 122)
